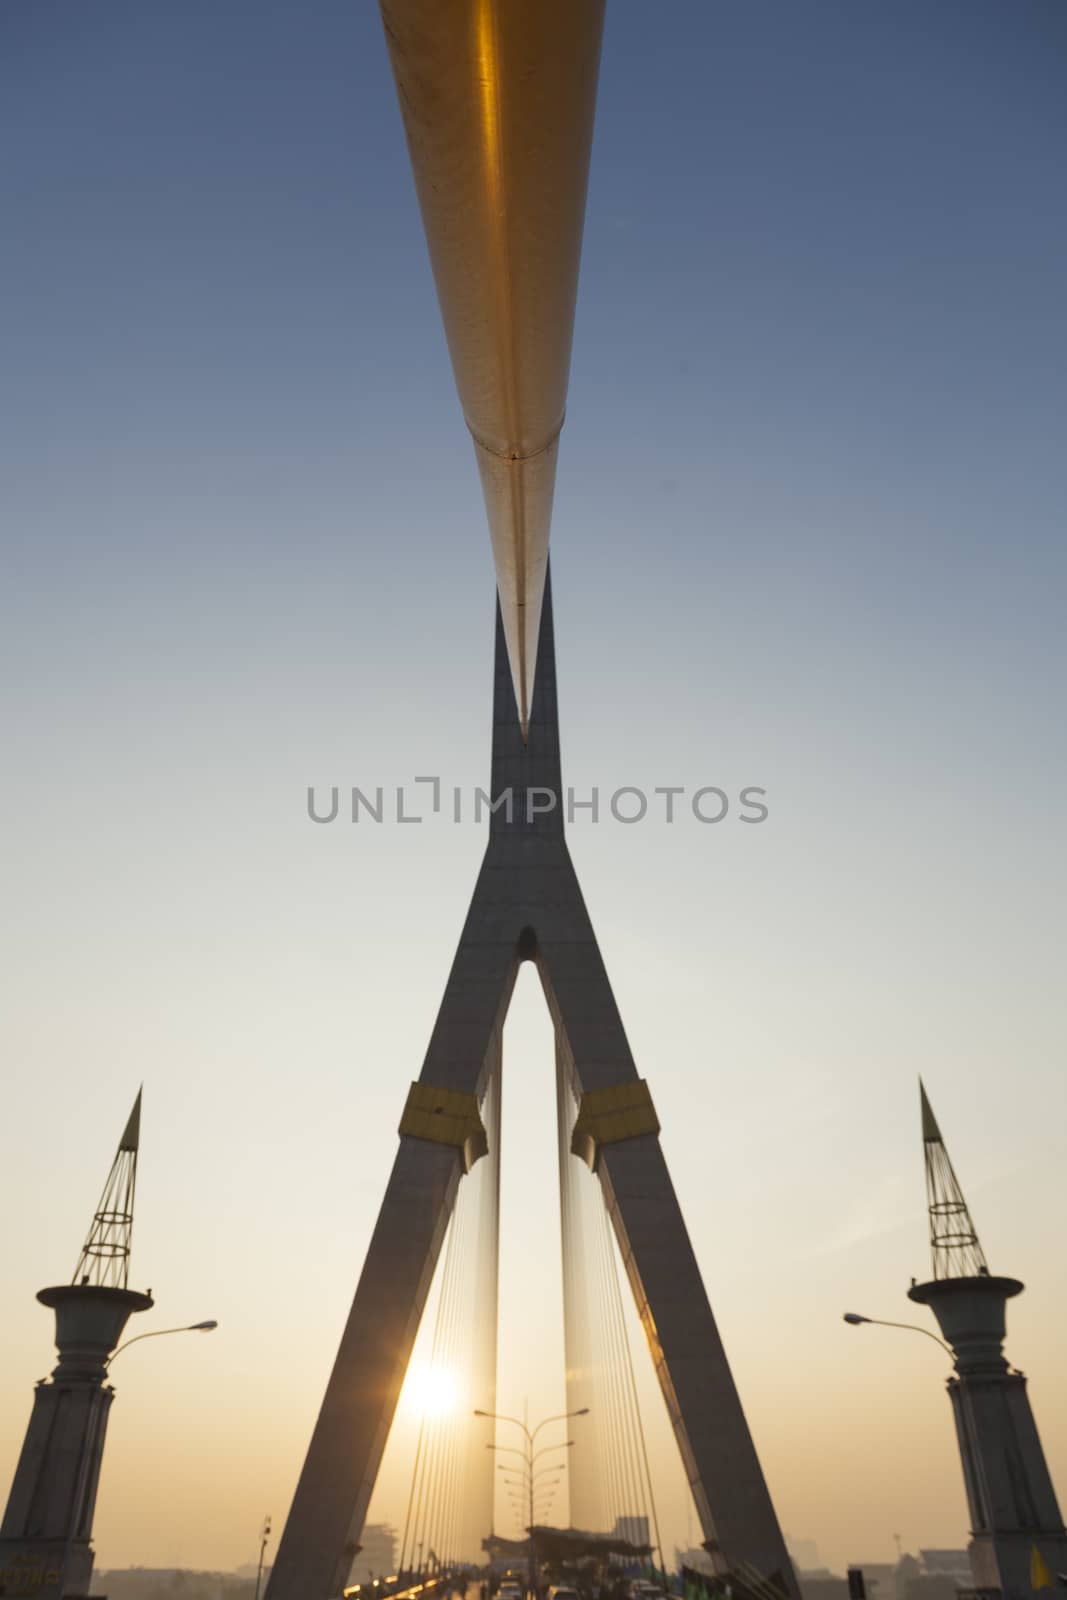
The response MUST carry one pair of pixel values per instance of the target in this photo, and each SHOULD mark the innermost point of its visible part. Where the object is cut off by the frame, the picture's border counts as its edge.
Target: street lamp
(530, 1434)
(854, 1320)
(563, 1416)
(157, 1333)
(264, 1536)
(192, 1327)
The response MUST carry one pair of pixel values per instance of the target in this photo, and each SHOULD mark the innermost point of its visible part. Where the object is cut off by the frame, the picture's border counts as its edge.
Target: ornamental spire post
(1016, 1527)
(46, 1534)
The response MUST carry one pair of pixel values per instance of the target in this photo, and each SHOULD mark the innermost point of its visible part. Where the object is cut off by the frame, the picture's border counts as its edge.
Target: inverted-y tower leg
(527, 904)
(703, 1404)
(710, 1428)
(321, 1534)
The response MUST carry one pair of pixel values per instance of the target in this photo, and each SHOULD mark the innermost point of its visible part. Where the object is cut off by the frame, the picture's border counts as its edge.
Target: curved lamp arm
(157, 1333)
(509, 1450)
(854, 1320)
(564, 1416)
(497, 1416)
(547, 1449)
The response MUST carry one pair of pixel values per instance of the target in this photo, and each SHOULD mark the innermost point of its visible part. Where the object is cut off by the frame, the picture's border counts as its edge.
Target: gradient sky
(808, 535)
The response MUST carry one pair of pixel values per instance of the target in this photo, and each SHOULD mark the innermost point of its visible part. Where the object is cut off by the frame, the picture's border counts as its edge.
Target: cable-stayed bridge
(498, 102)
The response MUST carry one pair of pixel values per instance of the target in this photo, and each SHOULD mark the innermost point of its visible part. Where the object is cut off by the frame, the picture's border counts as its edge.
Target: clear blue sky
(809, 535)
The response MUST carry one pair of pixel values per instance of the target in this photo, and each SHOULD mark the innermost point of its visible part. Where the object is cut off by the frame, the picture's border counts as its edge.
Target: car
(563, 1592)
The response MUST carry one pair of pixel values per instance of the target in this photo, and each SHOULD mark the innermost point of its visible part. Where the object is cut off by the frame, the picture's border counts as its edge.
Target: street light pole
(530, 1435)
(264, 1536)
(192, 1327)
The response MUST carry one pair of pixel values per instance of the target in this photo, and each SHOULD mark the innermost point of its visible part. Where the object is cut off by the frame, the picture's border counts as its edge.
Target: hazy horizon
(808, 536)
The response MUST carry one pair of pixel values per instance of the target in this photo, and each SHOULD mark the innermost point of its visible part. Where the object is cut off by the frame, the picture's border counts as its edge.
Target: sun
(431, 1391)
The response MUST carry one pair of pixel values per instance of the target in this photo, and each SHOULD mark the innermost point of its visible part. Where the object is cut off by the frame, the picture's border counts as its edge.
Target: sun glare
(431, 1391)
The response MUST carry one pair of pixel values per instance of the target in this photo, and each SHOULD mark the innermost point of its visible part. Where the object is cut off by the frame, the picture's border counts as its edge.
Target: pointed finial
(105, 1255)
(931, 1131)
(131, 1138)
(953, 1240)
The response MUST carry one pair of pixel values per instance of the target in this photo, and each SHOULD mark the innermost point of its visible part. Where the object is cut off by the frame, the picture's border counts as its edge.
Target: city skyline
(808, 536)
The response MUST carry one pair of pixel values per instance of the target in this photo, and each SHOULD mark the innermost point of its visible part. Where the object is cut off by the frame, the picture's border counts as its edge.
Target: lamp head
(854, 1318)
(202, 1327)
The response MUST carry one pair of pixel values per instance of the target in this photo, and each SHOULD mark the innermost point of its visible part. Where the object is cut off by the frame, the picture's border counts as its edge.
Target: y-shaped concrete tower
(527, 906)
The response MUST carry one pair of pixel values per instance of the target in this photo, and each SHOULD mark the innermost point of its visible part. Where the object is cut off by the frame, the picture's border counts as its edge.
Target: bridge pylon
(527, 906)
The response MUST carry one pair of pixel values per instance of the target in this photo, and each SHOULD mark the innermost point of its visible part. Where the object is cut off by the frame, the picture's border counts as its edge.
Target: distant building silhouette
(176, 1583)
(933, 1575)
(880, 1578)
(804, 1553)
(377, 1558)
(634, 1530)
(822, 1584)
(695, 1557)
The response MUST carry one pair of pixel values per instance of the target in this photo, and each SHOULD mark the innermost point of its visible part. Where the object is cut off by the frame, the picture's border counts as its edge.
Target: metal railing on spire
(954, 1243)
(105, 1256)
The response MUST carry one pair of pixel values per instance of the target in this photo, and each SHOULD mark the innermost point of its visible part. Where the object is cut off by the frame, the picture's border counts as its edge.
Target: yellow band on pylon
(606, 1116)
(445, 1116)
(1040, 1571)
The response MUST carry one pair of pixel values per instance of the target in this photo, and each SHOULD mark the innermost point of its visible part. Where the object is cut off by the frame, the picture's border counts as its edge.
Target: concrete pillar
(1010, 1495)
(45, 1537)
